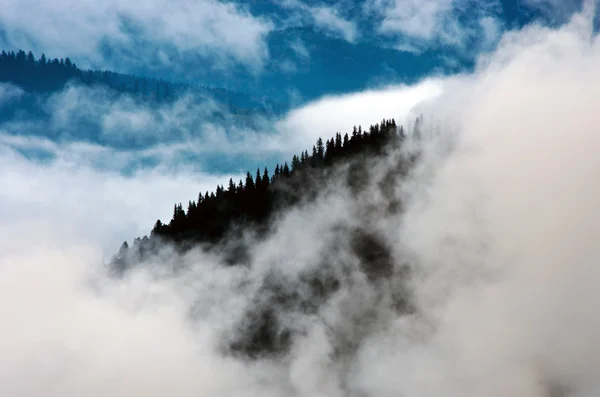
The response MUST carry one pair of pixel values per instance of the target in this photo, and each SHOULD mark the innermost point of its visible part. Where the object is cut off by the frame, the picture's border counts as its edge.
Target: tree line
(48, 75)
(252, 201)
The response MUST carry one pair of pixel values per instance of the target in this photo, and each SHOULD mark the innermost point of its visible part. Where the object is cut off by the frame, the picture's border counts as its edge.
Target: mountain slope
(231, 221)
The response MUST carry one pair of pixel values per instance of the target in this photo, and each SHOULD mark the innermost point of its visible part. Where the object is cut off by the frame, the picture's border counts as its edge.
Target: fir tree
(320, 149)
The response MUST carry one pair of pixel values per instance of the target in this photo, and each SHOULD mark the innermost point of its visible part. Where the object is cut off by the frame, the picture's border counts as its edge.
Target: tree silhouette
(252, 202)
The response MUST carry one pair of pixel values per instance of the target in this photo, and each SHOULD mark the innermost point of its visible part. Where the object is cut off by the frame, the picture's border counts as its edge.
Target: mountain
(45, 75)
(220, 221)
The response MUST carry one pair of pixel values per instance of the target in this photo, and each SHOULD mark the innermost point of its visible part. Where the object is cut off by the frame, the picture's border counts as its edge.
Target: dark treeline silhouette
(45, 75)
(251, 202)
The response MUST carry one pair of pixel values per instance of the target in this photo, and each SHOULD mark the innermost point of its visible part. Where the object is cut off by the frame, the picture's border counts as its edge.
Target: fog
(500, 234)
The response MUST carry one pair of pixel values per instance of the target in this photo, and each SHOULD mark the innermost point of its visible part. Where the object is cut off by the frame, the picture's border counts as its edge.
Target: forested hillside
(43, 75)
(251, 202)
(218, 221)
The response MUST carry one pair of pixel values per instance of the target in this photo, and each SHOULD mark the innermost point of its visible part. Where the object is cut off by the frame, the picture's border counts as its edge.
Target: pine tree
(320, 149)
(124, 249)
(286, 170)
(329, 151)
(249, 183)
(191, 208)
(265, 178)
(295, 163)
(157, 229)
(417, 133)
(258, 180)
(338, 143)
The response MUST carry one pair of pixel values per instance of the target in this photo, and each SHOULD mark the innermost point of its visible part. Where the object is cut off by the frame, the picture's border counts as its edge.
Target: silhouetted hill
(218, 221)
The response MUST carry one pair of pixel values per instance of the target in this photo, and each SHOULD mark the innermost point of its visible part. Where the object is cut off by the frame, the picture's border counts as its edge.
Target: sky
(283, 49)
(501, 228)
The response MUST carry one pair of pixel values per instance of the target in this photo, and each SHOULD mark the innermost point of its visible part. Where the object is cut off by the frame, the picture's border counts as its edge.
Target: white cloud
(418, 19)
(300, 49)
(98, 128)
(418, 24)
(102, 208)
(324, 17)
(328, 18)
(506, 230)
(8, 93)
(322, 118)
(78, 29)
(491, 31)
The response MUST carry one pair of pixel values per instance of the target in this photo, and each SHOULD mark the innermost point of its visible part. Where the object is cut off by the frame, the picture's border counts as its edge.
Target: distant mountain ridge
(44, 75)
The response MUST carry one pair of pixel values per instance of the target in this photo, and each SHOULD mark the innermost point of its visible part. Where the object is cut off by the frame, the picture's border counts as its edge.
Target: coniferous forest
(45, 75)
(251, 202)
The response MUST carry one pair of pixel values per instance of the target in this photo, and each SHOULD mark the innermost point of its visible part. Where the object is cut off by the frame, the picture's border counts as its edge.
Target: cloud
(8, 93)
(107, 130)
(323, 17)
(101, 207)
(130, 353)
(118, 132)
(505, 231)
(300, 49)
(491, 31)
(201, 27)
(415, 19)
(500, 234)
(333, 113)
(328, 18)
(417, 25)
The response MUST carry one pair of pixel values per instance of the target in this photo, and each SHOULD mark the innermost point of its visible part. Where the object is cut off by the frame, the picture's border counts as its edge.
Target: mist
(499, 234)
